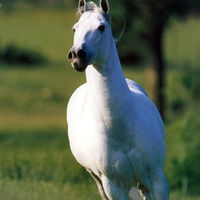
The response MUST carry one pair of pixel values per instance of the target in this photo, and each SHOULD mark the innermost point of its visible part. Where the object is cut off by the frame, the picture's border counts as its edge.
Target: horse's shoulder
(76, 101)
(79, 93)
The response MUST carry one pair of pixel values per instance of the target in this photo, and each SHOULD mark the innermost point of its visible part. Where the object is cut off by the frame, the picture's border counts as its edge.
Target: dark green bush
(191, 81)
(177, 105)
(186, 168)
(13, 54)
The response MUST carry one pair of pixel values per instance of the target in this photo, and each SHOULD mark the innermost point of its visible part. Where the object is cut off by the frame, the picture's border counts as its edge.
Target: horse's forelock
(91, 6)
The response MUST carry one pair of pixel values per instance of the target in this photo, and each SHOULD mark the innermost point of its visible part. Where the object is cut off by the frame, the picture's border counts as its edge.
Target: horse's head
(92, 35)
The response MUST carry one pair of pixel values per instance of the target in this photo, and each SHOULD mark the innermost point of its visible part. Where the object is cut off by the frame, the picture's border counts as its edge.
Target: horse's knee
(156, 187)
(113, 190)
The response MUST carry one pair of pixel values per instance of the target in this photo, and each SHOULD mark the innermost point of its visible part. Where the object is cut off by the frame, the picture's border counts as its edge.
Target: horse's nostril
(81, 54)
(70, 55)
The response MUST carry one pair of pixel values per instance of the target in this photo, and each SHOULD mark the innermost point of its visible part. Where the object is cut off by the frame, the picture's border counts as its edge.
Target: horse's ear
(81, 6)
(104, 5)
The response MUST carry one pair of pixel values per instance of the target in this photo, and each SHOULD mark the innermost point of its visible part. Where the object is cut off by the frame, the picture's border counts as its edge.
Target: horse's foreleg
(99, 185)
(160, 188)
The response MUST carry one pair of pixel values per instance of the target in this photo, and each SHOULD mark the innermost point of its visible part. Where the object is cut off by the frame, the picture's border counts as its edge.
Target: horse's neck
(107, 86)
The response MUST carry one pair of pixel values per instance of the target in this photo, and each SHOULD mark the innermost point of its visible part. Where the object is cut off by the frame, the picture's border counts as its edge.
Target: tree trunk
(155, 41)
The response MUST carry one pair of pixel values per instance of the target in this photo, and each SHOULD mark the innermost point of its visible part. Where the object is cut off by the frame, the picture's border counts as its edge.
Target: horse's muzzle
(78, 59)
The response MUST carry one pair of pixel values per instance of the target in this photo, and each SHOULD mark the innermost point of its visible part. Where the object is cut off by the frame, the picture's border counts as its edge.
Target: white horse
(115, 131)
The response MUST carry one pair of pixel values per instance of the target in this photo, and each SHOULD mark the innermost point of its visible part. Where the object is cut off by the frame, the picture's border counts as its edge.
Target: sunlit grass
(32, 190)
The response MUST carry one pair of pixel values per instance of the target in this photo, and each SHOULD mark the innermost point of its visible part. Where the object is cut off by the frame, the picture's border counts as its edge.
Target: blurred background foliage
(13, 54)
(36, 82)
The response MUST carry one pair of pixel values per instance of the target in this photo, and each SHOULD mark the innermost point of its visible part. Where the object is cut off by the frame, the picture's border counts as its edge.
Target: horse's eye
(101, 28)
(73, 29)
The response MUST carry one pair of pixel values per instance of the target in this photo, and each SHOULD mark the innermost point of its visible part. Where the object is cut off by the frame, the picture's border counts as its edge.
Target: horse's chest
(97, 134)
(98, 141)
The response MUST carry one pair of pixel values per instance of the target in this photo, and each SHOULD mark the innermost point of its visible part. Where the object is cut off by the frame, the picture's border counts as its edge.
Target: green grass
(35, 159)
(25, 190)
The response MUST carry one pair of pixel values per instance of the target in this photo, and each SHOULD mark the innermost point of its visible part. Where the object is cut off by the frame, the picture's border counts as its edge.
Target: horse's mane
(91, 6)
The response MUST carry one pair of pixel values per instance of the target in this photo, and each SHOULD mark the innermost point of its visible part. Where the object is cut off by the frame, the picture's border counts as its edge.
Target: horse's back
(144, 105)
(135, 87)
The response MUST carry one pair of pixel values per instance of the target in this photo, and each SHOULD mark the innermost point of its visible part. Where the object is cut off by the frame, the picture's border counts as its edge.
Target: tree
(154, 16)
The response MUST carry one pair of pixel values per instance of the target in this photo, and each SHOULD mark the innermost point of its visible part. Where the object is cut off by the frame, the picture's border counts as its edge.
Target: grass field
(35, 159)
